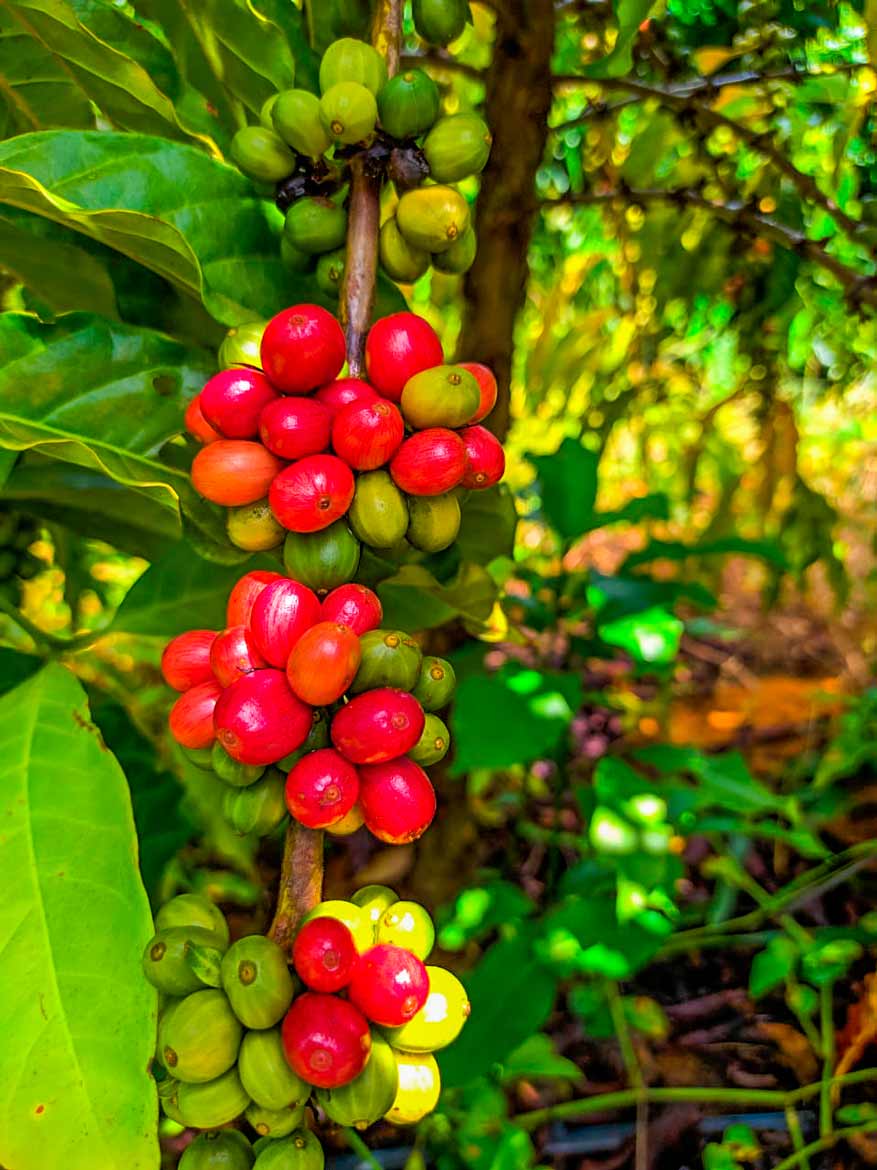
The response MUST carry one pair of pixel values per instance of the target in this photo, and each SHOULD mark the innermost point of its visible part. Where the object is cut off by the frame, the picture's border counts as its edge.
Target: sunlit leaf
(568, 487)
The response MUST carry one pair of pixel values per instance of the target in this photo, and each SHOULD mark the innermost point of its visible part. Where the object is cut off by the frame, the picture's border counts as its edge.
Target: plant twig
(800, 1157)
(441, 59)
(634, 1073)
(50, 644)
(301, 882)
(359, 1147)
(826, 1029)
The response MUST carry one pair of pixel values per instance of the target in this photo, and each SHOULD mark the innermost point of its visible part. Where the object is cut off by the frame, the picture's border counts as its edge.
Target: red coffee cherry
(233, 654)
(397, 799)
(326, 1040)
(429, 463)
(281, 613)
(191, 717)
(324, 954)
(389, 985)
(234, 472)
(323, 662)
(186, 659)
(353, 606)
(344, 391)
(378, 725)
(321, 789)
(233, 400)
(302, 348)
(258, 720)
(367, 434)
(295, 427)
(485, 458)
(397, 348)
(312, 493)
(197, 425)
(486, 384)
(243, 596)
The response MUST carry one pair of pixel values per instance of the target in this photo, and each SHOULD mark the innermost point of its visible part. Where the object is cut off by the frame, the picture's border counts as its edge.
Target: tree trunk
(518, 102)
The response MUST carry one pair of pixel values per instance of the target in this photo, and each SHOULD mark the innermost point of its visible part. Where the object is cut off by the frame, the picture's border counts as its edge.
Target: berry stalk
(301, 882)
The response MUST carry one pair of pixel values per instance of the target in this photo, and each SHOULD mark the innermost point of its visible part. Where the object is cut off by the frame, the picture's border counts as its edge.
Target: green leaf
(568, 486)
(536, 1059)
(511, 996)
(488, 526)
(655, 506)
(651, 637)
(629, 14)
(674, 550)
(77, 1016)
(723, 781)
(189, 218)
(37, 91)
(772, 966)
(610, 948)
(414, 600)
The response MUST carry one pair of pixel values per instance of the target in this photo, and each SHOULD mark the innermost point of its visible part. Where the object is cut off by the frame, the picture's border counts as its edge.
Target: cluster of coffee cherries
(293, 448)
(303, 145)
(349, 1033)
(312, 707)
(17, 564)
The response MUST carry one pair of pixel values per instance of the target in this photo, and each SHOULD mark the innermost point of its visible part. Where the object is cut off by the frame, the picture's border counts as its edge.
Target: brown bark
(517, 106)
(301, 882)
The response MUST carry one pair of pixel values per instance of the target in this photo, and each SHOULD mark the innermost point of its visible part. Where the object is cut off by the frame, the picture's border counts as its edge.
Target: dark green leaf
(477, 912)
(629, 15)
(772, 966)
(536, 1059)
(37, 92)
(568, 487)
(674, 550)
(488, 526)
(414, 600)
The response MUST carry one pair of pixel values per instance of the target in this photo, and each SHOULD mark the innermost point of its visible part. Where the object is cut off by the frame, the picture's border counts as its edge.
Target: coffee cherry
(234, 472)
(349, 112)
(233, 400)
(253, 528)
(257, 980)
(234, 774)
(259, 720)
(367, 1098)
(296, 118)
(353, 917)
(312, 493)
(321, 789)
(324, 954)
(436, 683)
(215, 1103)
(353, 606)
(439, 22)
(433, 218)
(367, 434)
(323, 663)
(397, 348)
(374, 900)
(409, 104)
(349, 824)
(233, 654)
(457, 146)
(261, 154)
(390, 658)
(460, 257)
(400, 260)
(323, 560)
(244, 593)
(440, 1021)
(326, 1040)
(343, 392)
(197, 425)
(300, 1151)
(398, 800)
(377, 726)
(420, 1087)
(433, 744)
(445, 396)
(193, 910)
(295, 427)
(281, 613)
(486, 385)
(485, 458)
(199, 1037)
(191, 717)
(259, 808)
(315, 225)
(349, 59)
(302, 348)
(223, 1149)
(186, 659)
(241, 345)
(167, 958)
(379, 512)
(389, 985)
(429, 463)
(433, 521)
(272, 1124)
(265, 1073)
(407, 925)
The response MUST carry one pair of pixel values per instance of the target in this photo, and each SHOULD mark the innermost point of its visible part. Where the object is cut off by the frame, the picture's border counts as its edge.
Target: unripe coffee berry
(326, 1040)
(389, 985)
(234, 472)
(324, 954)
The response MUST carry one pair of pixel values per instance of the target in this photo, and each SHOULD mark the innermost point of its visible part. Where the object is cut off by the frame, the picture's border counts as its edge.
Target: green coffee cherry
(275, 1123)
(433, 521)
(456, 147)
(375, 900)
(213, 1103)
(407, 925)
(261, 154)
(294, 260)
(315, 225)
(379, 513)
(390, 658)
(444, 396)
(432, 218)
(367, 1098)
(436, 683)
(199, 1037)
(349, 112)
(266, 119)
(200, 757)
(222, 1149)
(266, 1075)
(258, 809)
(233, 773)
(460, 257)
(257, 981)
(440, 1020)
(355, 918)
(253, 528)
(399, 259)
(242, 346)
(193, 910)
(300, 1151)
(296, 117)
(349, 60)
(440, 21)
(168, 1091)
(409, 104)
(322, 560)
(433, 743)
(175, 959)
(330, 272)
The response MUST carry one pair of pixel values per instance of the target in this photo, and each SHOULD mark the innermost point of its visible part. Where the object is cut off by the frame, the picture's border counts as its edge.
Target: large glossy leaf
(77, 1016)
(187, 217)
(124, 89)
(37, 92)
(568, 487)
(414, 600)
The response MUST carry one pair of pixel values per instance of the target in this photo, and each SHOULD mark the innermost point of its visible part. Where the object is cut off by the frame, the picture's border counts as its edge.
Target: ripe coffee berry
(312, 493)
(243, 596)
(233, 654)
(353, 606)
(486, 385)
(397, 799)
(389, 985)
(258, 720)
(378, 725)
(324, 954)
(234, 472)
(323, 663)
(295, 427)
(326, 1040)
(233, 400)
(186, 659)
(485, 458)
(191, 717)
(429, 463)
(302, 348)
(367, 434)
(281, 613)
(321, 788)
(342, 392)
(397, 348)
(197, 425)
